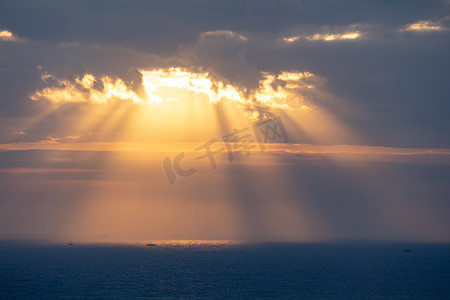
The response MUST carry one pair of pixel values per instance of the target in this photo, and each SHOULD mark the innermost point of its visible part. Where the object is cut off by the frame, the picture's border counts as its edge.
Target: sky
(108, 108)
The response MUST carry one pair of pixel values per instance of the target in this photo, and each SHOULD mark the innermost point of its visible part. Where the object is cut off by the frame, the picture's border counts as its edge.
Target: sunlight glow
(179, 110)
(283, 91)
(157, 80)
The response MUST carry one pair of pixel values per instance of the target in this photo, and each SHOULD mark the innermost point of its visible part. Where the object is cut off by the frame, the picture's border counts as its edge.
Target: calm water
(279, 270)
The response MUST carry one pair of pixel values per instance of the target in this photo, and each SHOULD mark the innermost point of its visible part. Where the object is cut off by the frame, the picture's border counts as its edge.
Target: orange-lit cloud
(291, 39)
(83, 90)
(6, 35)
(286, 95)
(334, 37)
(424, 26)
(284, 90)
(160, 85)
(327, 37)
(222, 33)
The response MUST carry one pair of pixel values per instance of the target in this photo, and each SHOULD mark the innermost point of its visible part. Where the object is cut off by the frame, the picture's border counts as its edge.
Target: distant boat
(406, 250)
(71, 244)
(151, 245)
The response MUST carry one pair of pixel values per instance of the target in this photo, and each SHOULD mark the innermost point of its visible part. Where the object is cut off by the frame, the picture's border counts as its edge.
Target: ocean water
(224, 271)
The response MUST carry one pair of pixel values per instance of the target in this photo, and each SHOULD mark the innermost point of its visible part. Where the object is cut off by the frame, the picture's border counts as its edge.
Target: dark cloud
(395, 82)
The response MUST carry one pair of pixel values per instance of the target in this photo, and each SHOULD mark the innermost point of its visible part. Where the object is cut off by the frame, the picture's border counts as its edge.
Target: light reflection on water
(198, 244)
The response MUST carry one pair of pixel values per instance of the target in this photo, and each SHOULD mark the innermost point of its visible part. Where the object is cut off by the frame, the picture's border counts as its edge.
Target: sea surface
(228, 270)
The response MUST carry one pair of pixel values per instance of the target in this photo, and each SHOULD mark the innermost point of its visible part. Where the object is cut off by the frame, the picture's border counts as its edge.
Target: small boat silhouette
(151, 245)
(406, 250)
(71, 244)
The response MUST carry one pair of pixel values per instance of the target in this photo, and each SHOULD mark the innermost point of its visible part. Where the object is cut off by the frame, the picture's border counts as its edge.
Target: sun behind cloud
(285, 90)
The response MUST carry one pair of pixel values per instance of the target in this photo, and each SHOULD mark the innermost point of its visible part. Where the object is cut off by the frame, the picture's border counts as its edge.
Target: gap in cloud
(285, 90)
